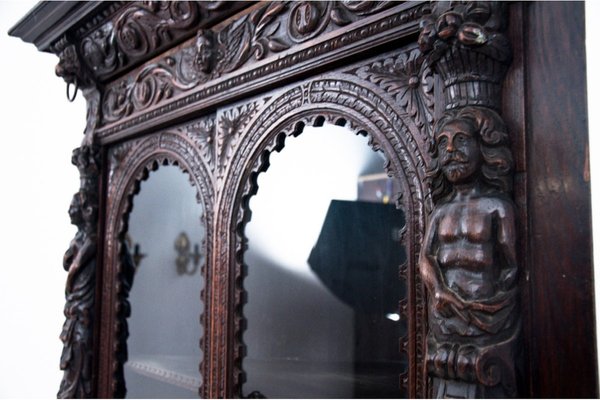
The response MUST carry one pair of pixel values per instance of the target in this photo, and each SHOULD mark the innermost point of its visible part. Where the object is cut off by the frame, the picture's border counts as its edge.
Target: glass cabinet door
(323, 283)
(165, 238)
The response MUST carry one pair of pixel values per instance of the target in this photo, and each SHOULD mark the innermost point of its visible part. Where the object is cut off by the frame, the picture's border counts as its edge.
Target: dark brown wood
(563, 345)
(216, 87)
(468, 260)
(77, 359)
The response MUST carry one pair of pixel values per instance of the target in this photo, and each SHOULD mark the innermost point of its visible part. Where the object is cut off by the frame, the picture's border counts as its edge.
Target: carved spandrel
(203, 133)
(409, 80)
(468, 259)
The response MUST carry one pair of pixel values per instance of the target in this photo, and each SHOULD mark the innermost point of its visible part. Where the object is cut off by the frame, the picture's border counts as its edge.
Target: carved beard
(458, 167)
(456, 171)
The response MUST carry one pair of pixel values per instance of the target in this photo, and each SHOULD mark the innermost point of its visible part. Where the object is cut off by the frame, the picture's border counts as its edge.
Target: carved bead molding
(274, 38)
(468, 258)
(80, 262)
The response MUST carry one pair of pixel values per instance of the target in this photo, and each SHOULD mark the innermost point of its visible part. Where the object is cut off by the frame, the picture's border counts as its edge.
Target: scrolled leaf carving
(409, 80)
(268, 30)
(231, 125)
(139, 29)
(99, 52)
(151, 85)
(146, 26)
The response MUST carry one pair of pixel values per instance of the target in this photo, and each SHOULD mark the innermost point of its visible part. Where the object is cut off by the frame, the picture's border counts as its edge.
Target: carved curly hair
(494, 142)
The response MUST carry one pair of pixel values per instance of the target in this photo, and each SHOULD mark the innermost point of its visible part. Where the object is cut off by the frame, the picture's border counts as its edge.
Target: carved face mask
(75, 210)
(204, 53)
(458, 151)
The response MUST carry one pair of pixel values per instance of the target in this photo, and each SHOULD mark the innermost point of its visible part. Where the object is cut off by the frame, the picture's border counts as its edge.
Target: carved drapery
(468, 259)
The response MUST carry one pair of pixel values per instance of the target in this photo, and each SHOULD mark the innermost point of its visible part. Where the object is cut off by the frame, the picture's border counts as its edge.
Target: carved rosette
(468, 261)
(80, 262)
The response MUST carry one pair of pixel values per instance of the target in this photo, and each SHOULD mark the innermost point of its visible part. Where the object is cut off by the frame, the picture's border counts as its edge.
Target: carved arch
(342, 102)
(130, 164)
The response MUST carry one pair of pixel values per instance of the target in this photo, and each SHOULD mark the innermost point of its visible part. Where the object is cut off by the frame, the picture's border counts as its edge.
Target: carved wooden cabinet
(463, 265)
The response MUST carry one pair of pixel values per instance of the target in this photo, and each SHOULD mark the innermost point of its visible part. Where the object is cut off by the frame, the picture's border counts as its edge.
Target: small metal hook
(72, 99)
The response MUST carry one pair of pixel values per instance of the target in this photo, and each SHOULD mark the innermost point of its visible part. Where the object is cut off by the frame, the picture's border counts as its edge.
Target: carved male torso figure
(468, 260)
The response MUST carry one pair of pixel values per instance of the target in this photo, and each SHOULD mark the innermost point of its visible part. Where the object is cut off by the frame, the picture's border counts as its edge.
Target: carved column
(468, 260)
(80, 259)
(80, 262)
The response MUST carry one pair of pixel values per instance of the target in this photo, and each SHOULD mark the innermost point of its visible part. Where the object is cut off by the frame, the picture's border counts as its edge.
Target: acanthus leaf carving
(407, 78)
(251, 36)
(230, 127)
(271, 29)
(142, 28)
(203, 134)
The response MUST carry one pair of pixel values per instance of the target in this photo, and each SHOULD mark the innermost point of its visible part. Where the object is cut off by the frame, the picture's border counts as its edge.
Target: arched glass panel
(165, 239)
(323, 283)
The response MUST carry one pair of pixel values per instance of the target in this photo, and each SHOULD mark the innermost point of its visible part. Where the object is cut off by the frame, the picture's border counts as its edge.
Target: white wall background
(39, 128)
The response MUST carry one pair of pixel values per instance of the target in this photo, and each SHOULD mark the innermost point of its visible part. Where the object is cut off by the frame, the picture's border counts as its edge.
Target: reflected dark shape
(332, 330)
(358, 254)
(357, 257)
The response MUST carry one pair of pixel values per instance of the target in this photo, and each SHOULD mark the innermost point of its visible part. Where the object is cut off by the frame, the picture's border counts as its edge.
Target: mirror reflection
(323, 283)
(165, 239)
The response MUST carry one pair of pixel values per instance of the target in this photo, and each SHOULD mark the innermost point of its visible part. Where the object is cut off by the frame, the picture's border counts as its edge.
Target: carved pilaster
(80, 262)
(468, 259)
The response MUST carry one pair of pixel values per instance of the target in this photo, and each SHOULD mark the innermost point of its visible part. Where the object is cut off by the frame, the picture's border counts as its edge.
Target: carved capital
(464, 42)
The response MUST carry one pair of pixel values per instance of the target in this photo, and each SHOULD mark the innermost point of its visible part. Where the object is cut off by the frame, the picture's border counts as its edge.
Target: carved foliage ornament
(409, 80)
(80, 262)
(271, 29)
(468, 259)
(465, 41)
(140, 29)
(338, 98)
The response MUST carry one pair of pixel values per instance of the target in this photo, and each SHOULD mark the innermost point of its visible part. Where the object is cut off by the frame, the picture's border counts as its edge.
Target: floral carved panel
(273, 38)
(139, 29)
